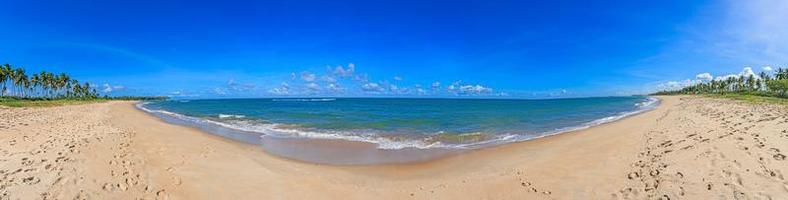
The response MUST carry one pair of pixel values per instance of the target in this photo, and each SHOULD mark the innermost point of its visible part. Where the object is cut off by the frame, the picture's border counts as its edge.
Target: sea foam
(267, 129)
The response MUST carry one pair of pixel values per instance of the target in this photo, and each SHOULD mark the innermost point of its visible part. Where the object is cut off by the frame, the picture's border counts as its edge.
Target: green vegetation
(20, 102)
(16, 83)
(752, 98)
(17, 89)
(753, 88)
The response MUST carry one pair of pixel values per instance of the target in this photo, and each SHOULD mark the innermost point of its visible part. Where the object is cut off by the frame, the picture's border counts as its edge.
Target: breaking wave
(387, 141)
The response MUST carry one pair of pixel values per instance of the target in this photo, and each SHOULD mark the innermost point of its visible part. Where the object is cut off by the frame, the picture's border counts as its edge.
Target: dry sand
(688, 148)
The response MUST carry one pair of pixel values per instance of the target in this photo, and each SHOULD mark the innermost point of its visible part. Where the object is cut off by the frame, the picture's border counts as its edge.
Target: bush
(778, 86)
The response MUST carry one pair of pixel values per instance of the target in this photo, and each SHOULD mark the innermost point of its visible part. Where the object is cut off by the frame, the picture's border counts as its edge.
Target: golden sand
(688, 148)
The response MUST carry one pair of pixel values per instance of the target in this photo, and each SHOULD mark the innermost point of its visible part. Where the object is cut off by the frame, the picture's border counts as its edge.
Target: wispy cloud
(283, 89)
(704, 77)
(458, 88)
(720, 38)
(372, 88)
(308, 76)
(345, 72)
(755, 30)
(348, 80)
(107, 88)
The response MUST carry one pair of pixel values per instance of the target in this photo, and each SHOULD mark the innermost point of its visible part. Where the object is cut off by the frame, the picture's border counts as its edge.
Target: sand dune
(688, 148)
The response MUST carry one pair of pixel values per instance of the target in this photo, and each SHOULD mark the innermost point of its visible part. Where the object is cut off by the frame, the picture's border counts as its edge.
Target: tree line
(15, 82)
(762, 84)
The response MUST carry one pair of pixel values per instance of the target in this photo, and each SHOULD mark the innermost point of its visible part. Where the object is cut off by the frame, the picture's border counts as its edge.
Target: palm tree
(18, 74)
(63, 81)
(35, 81)
(4, 76)
(47, 83)
(86, 90)
(42, 82)
(71, 87)
(15, 82)
(26, 86)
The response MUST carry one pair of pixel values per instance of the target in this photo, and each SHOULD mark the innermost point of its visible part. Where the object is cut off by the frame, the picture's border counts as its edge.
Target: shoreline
(477, 160)
(689, 147)
(343, 152)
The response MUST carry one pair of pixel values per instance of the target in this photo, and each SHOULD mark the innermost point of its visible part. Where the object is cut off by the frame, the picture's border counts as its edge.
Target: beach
(687, 148)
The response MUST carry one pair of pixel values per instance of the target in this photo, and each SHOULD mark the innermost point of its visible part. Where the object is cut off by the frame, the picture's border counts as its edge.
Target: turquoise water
(401, 123)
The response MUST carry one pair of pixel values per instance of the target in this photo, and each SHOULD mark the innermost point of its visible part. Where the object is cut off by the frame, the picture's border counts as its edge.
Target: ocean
(402, 129)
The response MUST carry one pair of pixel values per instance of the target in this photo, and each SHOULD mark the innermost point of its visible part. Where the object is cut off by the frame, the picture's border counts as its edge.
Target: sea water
(390, 129)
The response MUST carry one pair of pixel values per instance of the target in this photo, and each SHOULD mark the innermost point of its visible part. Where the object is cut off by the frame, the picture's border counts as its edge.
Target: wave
(437, 140)
(649, 103)
(306, 100)
(228, 116)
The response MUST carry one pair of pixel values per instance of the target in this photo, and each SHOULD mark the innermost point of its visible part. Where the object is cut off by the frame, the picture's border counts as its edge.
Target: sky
(496, 49)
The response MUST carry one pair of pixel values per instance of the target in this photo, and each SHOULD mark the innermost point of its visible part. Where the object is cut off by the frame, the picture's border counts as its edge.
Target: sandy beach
(687, 148)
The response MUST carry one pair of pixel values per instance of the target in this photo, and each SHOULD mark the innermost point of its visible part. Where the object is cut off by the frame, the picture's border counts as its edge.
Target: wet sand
(688, 148)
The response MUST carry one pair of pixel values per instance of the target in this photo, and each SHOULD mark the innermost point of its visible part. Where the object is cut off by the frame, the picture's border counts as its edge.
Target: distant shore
(687, 148)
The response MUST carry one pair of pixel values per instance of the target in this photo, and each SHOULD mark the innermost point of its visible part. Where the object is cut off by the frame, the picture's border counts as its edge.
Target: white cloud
(283, 89)
(335, 87)
(314, 87)
(393, 88)
(180, 93)
(726, 77)
(755, 29)
(561, 92)
(738, 31)
(363, 78)
(219, 91)
(458, 88)
(420, 91)
(475, 89)
(371, 87)
(451, 89)
(454, 87)
(233, 85)
(308, 76)
(341, 79)
(345, 72)
(747, 72)
(328, 79)
(704, 77)
(107, 88)
(767, 69)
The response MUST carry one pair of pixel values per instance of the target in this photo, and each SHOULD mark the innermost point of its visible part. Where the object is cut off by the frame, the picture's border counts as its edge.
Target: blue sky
(518, 49)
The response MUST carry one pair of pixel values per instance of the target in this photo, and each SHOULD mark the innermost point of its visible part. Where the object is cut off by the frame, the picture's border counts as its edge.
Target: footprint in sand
(161, 195)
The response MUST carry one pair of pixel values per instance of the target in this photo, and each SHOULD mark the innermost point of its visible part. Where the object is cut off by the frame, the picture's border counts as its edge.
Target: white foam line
(307, 100)
(385, 143)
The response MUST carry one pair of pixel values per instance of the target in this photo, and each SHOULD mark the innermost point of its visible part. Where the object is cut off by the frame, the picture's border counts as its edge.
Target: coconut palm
(35, 83)
(4, 76)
